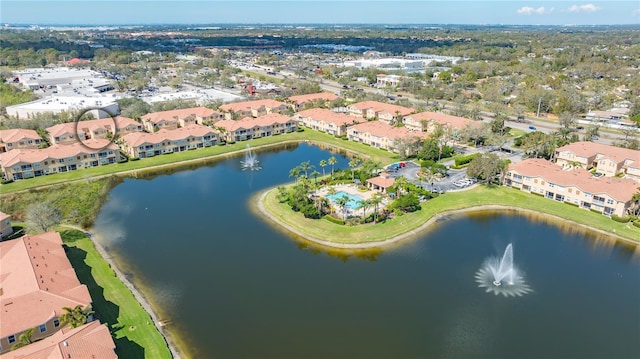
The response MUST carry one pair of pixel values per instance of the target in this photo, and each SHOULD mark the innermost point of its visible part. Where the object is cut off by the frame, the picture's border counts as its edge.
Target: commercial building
(99, 107)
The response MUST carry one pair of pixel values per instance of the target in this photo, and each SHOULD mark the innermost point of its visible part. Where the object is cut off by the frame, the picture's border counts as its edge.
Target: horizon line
(8, 24)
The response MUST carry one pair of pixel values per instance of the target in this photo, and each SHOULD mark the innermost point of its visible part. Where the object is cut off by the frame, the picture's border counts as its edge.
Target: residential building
(144, 144)
(72, 132)
(180, 118)
(263, 126)
(428, 121)
(382, 135)
(327, 121)
(383, 80)
(323, 98)
(385, 112)
(255, 108)
(20, 164)
(92, 340)
(607, 195)
(36, 282)
(18, 138)
(608, 160)
(5, 225)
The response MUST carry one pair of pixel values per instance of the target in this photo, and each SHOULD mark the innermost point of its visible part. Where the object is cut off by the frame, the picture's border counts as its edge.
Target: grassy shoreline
(481, 197)
(133, 329)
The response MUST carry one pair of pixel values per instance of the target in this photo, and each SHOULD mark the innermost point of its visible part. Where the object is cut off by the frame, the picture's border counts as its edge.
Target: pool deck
(353, 190)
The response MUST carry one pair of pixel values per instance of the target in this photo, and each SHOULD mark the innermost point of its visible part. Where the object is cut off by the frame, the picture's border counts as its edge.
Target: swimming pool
(354, 199)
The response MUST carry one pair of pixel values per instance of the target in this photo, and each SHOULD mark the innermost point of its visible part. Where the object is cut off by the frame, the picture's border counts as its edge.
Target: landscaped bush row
(333, 219)
(621, 219)
(463, 160)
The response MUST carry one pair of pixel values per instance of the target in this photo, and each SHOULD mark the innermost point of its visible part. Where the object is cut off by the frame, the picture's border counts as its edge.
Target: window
(42, 328)
(609, 201)
(11, 339)
(56, 323)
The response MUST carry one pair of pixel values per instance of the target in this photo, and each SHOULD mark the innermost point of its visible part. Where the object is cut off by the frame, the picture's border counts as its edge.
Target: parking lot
(454, 181)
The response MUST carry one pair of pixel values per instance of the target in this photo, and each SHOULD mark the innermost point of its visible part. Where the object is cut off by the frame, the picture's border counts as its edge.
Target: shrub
(636, 223)
(6, 181)
(333, 219)
(463, 160)
(134, 159)
(620, 219)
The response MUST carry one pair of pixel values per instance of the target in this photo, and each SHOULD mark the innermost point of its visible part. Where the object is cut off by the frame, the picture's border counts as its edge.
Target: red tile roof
(15, 156)
(381, 107)
(4, 216)
(91, 340)
(618, 188)
(17, 134)
(381, 129)
(383, 181)
(91, 125)
(249, 105)
(37, 281)
(156, 117)
(300, 99)
(588, 149)
(250, 122)
(443, 119)
(323, 114)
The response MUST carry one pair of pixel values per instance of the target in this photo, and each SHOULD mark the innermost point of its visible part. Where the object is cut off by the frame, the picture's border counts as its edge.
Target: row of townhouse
(72, 132)
(382, 135)
(18, 138)
(263, 126)
(326, 121)
(36, 282)
(321, 99)
(429, 121)
(255, 108)
(574, 185)
(170, 120)
(145, 144)
(384, 112)
(27, 163)
(608, 160)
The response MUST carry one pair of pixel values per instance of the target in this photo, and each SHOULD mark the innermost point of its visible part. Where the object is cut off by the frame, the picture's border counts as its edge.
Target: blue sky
(512, 12)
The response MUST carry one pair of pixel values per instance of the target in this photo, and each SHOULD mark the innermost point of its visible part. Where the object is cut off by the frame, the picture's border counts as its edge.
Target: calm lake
(234, 286)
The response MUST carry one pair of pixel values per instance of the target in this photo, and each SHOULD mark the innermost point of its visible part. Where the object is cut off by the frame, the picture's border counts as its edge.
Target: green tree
(323, 164)
(332, 161)
(342, 203)
(485, 167)
(23, 339)
(76, 316)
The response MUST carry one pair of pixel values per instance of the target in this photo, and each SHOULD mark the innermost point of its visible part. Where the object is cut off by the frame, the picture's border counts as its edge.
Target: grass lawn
(382, 156)
(131, 326)
(479, 196)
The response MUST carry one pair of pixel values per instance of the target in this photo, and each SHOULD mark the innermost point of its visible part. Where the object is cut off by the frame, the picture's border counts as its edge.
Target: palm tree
(364, 204)
(332, 161)
(23, 339)
(401, 183)
(355, 162)
(306, 166)
(315, 175)
(342, 202)
(634, 208)
(323, 164)
(295, 173)
(75, 317)
(332, 192)
(375, 201)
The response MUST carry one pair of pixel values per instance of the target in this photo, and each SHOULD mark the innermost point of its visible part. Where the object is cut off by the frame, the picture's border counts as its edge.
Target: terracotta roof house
(91, 340)
(606, 159)
(382, 182)
(18, 138)
(145, 144)
(6, 228)
(327, 121)
(255, 108)
(180, 118)
(77, 61)
(381, 135)
(263, 126)
(37, 281)
(607, 195)
(382, 111)
(71, 132)
(21, 164)
(427, 121)
(300, 101)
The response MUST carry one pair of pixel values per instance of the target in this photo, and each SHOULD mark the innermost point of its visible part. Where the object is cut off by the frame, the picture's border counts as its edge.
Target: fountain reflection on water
(500, 276)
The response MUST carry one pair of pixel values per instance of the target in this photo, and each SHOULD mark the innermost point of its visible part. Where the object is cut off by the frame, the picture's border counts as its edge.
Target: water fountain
(500, 276)
(250, 161)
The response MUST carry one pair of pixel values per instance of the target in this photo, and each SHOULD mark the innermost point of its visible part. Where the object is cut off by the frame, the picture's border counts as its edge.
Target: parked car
(533, 128)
